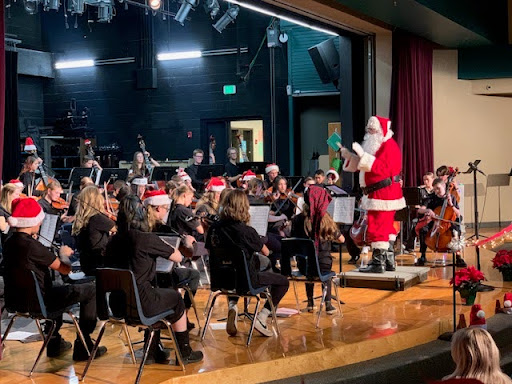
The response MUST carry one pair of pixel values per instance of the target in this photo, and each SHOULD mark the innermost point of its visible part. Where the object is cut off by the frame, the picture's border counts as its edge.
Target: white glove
(345, 153)
(358, 149)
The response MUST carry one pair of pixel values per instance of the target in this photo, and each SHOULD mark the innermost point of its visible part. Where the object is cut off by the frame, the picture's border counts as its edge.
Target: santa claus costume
(379, 161)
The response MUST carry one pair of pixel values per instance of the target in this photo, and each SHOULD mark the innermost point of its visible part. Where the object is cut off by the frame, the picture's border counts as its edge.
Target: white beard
(372, 142)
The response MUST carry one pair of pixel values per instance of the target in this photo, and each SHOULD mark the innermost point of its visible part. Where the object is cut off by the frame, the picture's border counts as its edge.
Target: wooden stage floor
(374, 323)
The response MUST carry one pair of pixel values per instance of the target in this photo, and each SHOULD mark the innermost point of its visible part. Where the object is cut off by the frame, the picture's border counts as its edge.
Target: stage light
(185, 8)
(31, 6)
(179, 55)
(105, 12)
(51, 5)
(155, 4)
(74, 64)
(228, 17)
(76, 7)
(212, 7)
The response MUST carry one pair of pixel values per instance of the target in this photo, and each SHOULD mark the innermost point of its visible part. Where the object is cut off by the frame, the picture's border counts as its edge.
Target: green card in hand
(334, 140)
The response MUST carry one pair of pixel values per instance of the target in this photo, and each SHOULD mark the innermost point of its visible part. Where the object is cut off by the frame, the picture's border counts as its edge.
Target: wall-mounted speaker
(326, 58)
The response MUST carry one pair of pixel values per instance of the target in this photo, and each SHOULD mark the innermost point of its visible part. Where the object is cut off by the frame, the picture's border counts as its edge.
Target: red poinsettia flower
(466, 278)
(502, 260)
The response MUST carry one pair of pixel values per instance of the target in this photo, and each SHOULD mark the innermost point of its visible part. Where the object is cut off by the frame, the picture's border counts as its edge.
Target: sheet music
(48, 229)
(166, 265)
(342, 209)
(259, 218)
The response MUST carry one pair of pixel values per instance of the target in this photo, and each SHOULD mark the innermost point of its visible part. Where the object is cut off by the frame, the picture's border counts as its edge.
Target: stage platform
(375, 323)
(399, 280)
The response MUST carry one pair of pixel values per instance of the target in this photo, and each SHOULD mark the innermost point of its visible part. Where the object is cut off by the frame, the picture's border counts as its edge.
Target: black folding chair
(29, 303)
(307, 261)
(229, 273)
(124, 308)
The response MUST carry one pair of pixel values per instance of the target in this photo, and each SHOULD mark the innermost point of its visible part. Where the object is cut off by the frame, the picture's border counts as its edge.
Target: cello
(142, 146)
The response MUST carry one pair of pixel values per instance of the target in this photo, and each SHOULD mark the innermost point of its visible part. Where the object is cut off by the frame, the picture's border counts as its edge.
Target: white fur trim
(350, 165)
(507, 303)
(271, 168)
(382, 205)
(480, 314)
(392, 237)
(185, 178)
(362, 181)
(390, 133)
(157, 200)
(366, 162)
(380, 245)
(25, 222)
(29, 148)
(249, 177)
(140, 181)
(333, 172)
(217, 188)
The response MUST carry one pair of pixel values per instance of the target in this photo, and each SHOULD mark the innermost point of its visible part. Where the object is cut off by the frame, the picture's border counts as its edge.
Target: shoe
(421, 261)
(390, 261)
(232, 320)
(460, 263)
(262, 328)
(377, 263)
(160, 356)
(329, 308)
(80, 353)
(354, 259)
(187, 354)
(190, 326)
(311, 305)
(57, 346)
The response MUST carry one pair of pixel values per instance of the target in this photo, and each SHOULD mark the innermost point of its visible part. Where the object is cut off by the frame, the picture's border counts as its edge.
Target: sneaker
(232, 320)
(262, 328)
(311, 306)
(329, 308)
(421, 261)
(57, 346)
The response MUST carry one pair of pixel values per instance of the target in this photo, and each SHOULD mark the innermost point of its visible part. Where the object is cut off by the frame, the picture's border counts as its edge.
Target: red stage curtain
(411, 104)
(2, 86)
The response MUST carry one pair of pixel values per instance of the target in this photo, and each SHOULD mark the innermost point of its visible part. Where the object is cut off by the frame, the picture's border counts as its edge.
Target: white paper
(342, 209)
(20, 335)
(217, 326)
(166, 265)
(48, 229)
(259, 218)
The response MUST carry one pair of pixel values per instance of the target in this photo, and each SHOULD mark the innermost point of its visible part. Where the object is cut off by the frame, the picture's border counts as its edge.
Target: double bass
(142, 146)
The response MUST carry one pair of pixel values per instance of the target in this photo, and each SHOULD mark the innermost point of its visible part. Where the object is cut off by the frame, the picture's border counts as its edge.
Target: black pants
(279, 285)
(423, 235)
(63, 296)
(189, 276)
(325, 267)
(352, 248)
(273, 242)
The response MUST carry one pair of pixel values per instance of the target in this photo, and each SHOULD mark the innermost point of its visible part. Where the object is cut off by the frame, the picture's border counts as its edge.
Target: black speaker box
(146, 78)
(326, 58)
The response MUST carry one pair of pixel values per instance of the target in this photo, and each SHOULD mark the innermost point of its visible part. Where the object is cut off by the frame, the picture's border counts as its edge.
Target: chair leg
(94, 349)
(208, 317)
(193, 301)
(172, 336)
(40, 329)
(337, 296)
(45, 344)
(145, 356)
(324, 293)
(249, 338)
(296, 296)
(208, 302)
(79, 332)
(273, 310)
(9, 326)
(129, 341)
(207, 274)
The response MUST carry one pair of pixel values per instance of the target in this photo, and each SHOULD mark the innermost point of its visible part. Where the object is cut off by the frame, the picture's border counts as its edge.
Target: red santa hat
(248, 175)
(507, 300)
(17, 183)
(184, 175)
(333, 174)
(25, 213)
(87, 141)
(29, 145)
(156, 198)
(380, 123)
(140, 181)
(477, 317)
(215, 185)
(271, 167)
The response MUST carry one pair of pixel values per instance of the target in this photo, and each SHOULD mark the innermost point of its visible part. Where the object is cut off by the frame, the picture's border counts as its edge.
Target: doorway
(247, 137)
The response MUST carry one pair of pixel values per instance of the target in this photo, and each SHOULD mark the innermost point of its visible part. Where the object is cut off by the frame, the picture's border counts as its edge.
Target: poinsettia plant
(503, 260)
(467, 278)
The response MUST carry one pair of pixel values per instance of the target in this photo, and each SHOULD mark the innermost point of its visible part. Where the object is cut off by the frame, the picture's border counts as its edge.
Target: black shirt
(283, 206)
(22, 252)
(29, 181)
(48, 208)
(92, 241)
(10, 230)
(436, 201)
(232, 170)
(192, 172)
(183, 221)
(426, 196)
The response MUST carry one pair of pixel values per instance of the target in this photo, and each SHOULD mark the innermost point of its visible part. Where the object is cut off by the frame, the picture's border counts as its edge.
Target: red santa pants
(380, 227)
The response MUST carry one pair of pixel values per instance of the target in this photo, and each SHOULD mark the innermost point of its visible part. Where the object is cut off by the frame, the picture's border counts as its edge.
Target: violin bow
(288, 197)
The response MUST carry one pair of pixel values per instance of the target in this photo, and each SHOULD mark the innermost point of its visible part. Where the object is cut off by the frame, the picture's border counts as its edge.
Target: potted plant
(503, 263)
(466, 281)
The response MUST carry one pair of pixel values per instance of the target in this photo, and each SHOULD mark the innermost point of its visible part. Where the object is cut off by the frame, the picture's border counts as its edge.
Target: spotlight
(212, 7)
(31, 6)
(227, 18)
(104, 11)
(185, 8)
(51, 5)
(155, 4)
(76, 7)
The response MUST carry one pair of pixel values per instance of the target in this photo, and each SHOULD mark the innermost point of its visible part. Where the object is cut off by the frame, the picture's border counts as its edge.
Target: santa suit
(382, 203)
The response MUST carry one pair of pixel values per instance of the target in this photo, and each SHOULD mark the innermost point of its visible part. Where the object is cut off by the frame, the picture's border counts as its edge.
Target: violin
(60, 204)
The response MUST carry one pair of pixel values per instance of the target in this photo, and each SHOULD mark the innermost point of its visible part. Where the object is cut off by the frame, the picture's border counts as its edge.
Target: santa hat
(477, 317)
(380, 123)
(156, 198)
(25, 213)
(17, 183)
(29, 145)
(215, 185)
(87, 142)
(140, 181)
(248, 175)
(271, 167)
(333, 174)
(184, 175)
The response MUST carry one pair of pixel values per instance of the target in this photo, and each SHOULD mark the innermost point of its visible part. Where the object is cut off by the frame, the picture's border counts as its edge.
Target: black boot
(353, 259)
(390, 257)
(421, 261)
(377, 263)
(80, 353)
(187, 354)
(157, 353)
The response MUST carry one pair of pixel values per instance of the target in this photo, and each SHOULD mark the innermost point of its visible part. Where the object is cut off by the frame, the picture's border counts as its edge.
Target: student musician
(209, 203)
(272, 171)
(232, 229)
(136, 248)
(435, 202)
(192, 170)
(331, 177)
(138, 168)
(319, 177)
(28, 175)
(52, 202)
(231, 168)
(92, 229)
(283, 202)
(73, 205)
(315, 223)
(138, 186)
(10, 192)
(181, 218)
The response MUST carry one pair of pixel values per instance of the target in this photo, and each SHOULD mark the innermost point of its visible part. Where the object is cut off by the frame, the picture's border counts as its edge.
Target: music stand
(76, 176)
(207, 171)
(163, 173)
(110, 175)
(293, 180)
(258, 167)
(498, 180)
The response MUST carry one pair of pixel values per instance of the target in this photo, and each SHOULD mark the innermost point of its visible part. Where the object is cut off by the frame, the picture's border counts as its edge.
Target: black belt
(379, 185)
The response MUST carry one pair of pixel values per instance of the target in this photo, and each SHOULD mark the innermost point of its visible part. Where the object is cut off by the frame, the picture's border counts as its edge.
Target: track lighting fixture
(212, 7)
(228, 17)
(155, 4)
(184, 10)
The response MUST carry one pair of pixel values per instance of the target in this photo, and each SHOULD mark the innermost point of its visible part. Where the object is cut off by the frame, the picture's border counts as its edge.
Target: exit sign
(229, 89)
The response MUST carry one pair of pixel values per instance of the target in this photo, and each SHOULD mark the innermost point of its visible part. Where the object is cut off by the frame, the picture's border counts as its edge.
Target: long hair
(135, 167)
(477, 357)
(235, 206)
(132, 215)
(90, 203)
(254, 184)
(210, 202)
(53, 185)
(328, 228)
(7, 197)
(28, 164)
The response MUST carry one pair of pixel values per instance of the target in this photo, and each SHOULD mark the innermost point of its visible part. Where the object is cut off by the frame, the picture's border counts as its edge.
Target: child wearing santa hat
(23, 253)
(209, 203)
(28, 175)
(332, 176)
(272, 170)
